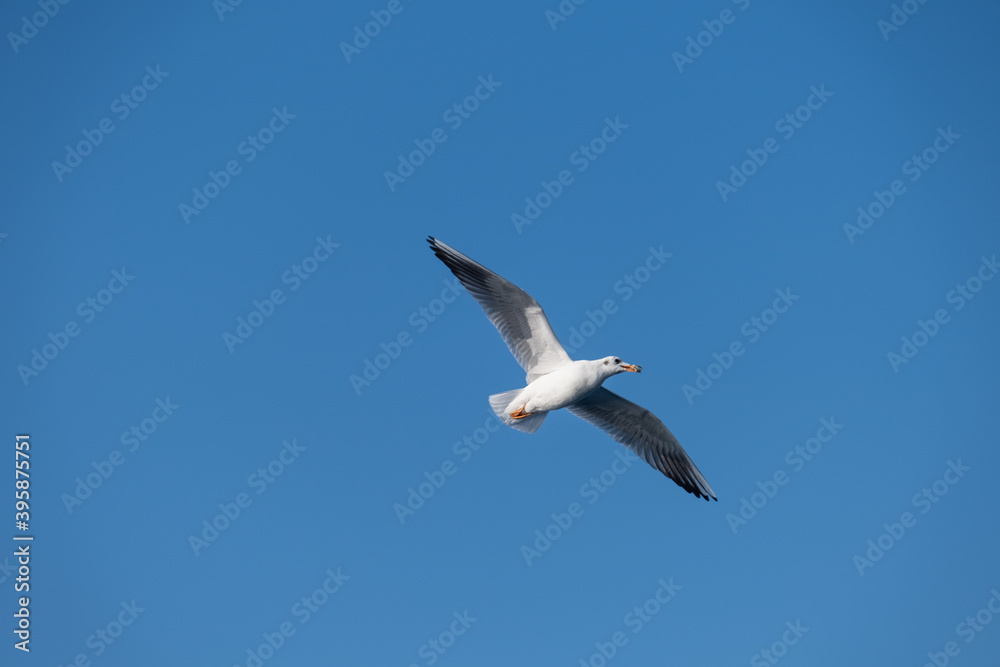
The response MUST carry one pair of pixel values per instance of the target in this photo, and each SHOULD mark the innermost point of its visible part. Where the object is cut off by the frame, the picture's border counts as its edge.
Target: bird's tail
(500, 402)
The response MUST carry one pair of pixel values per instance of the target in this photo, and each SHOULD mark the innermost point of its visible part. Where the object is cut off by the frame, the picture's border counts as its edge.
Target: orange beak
(632, 368)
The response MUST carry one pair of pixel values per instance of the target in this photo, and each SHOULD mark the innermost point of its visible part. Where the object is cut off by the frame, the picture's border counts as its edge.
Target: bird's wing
(516, 315)
(638, 429)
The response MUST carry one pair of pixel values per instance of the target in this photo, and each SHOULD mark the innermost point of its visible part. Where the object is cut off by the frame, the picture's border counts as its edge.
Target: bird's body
(561, 387)
(555, 381)
(557, 389)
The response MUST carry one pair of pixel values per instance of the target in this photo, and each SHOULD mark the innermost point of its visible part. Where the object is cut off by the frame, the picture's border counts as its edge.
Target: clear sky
(257, 403)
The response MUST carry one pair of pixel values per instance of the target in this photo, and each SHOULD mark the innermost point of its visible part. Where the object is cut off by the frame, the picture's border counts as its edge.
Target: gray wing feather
(516, 315)
(639, 429)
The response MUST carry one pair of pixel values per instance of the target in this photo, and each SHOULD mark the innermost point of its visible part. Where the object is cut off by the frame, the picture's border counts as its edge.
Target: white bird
(555, 381)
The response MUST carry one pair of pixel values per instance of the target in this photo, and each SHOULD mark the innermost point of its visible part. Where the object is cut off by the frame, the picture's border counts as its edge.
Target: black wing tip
(705, 491)
(708, 496)
(680, 475)
(443, 252)
(466, 269)
(693, 488)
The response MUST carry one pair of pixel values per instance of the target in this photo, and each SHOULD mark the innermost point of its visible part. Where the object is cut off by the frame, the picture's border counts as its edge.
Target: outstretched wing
(516, 315)
(639, 429)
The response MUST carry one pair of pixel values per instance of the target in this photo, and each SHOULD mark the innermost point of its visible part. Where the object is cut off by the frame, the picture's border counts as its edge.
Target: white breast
(560, 388)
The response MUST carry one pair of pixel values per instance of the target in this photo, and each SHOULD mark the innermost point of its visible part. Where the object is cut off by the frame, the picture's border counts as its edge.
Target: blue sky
(214, 226)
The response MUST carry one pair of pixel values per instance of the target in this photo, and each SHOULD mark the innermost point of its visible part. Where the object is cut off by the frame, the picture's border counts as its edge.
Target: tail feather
(500, 402)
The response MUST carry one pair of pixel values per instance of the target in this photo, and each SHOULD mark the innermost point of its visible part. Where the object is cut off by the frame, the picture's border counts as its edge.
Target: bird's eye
(618, 361)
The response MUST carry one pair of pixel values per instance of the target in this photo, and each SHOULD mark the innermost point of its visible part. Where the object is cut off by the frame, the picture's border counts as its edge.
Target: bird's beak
(632, 368)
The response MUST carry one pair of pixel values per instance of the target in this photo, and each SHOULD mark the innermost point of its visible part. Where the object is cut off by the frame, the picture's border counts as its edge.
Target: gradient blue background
(656, 185)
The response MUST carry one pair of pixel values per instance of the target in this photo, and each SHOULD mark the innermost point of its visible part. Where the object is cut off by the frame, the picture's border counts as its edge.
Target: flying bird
(555, 381)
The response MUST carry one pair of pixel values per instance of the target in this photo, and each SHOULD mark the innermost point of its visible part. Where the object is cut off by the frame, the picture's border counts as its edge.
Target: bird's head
(614, 365)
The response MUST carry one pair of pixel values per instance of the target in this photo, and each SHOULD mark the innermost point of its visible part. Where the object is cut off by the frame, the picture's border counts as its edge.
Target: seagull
(556, 381)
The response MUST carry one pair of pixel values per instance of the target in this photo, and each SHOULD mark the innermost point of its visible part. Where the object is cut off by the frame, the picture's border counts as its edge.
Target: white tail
(500, 402)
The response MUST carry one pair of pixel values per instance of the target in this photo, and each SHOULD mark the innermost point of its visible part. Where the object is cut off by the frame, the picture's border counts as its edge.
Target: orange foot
(520, 413)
